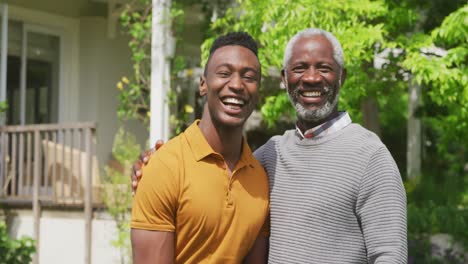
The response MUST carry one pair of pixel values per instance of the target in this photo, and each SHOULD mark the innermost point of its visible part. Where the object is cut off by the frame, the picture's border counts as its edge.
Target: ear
(283, 79)
(202, 86)
(343, 76)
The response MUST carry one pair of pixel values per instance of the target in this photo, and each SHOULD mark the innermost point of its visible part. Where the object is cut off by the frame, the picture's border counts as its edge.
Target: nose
(312, 75)
(235, 82)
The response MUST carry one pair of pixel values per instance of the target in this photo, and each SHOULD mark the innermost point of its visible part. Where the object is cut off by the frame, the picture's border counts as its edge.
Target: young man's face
(231, 85)
(312, 77)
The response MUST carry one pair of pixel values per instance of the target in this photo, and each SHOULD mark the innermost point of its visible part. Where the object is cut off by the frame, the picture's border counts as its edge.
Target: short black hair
(233, 38)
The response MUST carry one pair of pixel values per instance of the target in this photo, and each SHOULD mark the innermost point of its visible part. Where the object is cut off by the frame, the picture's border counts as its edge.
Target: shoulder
(270, 146)
(171, 152)
(379, 159)
(365, 140)
(164, 164)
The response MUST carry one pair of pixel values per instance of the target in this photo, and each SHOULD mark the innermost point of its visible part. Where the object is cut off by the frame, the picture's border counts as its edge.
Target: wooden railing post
(88, 195)
(35, 203)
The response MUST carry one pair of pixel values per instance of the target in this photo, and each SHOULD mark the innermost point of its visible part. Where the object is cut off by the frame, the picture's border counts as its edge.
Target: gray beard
(313, 115)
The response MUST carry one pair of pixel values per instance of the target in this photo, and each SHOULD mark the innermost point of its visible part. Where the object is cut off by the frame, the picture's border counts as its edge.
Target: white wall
(103, 61)
(62, 237)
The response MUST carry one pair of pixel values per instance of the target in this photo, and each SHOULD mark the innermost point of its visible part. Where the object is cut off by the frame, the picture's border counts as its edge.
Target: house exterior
(59, 65)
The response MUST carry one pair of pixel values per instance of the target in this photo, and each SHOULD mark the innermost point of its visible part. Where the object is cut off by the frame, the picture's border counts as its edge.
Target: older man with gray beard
(336, 195)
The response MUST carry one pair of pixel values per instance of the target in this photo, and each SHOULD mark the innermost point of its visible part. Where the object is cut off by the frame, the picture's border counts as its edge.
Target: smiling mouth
(232, 101)
(311, 94)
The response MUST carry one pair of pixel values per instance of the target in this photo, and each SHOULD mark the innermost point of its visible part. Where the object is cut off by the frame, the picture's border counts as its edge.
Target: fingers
(158, 144)
(136, 175)
(146, 156)
(142, 161)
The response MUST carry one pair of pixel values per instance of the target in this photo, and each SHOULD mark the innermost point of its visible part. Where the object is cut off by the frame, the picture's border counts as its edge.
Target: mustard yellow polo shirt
(186, 189)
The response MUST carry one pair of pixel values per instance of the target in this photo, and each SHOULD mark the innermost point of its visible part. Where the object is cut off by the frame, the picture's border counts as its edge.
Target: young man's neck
(226, 141)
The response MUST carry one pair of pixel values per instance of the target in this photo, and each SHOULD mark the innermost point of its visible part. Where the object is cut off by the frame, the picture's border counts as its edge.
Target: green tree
(361, 26)
(438, 62)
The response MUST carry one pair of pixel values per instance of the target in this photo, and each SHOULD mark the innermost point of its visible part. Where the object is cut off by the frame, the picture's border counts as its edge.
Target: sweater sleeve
(381, 210)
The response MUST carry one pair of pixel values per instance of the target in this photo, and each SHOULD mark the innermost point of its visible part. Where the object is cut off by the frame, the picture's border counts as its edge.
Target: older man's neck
(305, 125)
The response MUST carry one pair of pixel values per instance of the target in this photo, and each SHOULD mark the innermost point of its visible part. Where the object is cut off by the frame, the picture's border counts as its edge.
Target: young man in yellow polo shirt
(209, 200)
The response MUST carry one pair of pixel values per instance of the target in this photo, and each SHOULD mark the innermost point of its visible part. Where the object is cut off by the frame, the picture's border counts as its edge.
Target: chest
(315, 184)
(212, 200)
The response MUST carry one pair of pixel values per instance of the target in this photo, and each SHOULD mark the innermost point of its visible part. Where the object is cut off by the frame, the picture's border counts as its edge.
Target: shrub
(15, 251)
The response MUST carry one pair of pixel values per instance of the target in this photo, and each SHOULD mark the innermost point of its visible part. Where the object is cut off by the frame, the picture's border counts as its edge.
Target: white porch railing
(50, 164)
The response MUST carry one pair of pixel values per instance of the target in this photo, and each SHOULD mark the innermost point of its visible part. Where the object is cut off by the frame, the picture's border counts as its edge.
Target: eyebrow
(303, 62)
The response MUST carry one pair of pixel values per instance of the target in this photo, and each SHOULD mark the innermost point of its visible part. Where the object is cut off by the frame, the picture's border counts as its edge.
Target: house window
(32, 72)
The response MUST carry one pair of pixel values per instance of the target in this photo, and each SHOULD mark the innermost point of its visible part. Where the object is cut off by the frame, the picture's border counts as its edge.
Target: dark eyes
(246, 76)
(250, 77)
(299, 69)
(223, 74)
(325, 69)
(302, 69)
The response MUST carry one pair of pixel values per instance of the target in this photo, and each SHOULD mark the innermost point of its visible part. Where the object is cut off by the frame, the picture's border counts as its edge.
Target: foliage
(134, 97)
(117, 192)
(3, 106)
(357, 24)
(15, 251)
(442, 70)
(135, 91)
(437, 206)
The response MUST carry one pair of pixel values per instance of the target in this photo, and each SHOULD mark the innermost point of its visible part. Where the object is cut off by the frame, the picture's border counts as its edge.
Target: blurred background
(78, 104)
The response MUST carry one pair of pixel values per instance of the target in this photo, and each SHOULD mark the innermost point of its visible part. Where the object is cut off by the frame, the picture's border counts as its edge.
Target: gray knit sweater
(334, 199)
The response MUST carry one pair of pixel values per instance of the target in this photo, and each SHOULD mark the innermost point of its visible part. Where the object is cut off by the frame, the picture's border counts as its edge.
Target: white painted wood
(3, 58)
(160, 81)
(24, 65)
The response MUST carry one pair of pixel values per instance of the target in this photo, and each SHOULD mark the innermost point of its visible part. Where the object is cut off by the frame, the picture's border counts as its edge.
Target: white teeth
(311, 94)
(232, 100)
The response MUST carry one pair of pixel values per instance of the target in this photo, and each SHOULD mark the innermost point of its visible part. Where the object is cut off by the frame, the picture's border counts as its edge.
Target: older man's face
(312, 77)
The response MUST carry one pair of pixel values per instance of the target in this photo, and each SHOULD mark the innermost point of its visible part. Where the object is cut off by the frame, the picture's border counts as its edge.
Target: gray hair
(310, 32)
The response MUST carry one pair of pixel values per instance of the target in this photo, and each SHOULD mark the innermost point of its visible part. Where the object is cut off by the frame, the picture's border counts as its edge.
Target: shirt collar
(201, 149)
(341, 121)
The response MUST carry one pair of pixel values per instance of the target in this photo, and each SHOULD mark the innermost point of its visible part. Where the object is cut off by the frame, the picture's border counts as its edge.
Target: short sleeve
(265, 231)
(155, 202)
